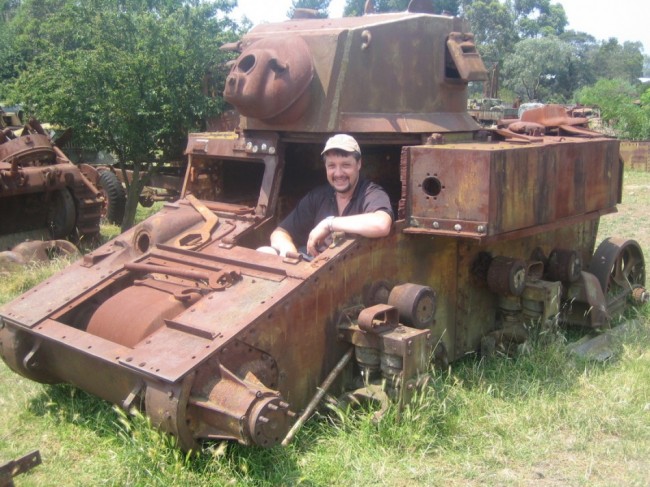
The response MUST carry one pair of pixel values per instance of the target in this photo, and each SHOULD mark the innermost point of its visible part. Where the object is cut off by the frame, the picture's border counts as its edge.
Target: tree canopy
(321, 6)
(539, 68)
(537, 57)
(535, 18)
(357, 7)
(492, 23)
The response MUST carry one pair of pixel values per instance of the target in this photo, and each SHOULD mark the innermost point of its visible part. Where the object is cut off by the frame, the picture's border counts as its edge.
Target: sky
(624, 19)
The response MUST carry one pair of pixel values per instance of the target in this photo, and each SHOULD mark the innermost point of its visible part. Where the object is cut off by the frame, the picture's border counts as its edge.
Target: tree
(125, 77)
(492, 23)
(581, 70)
(322, 6)
(8, 57)
(538, 18)
(355, 8)
(536, 68)
(499, 26)
(613, 60)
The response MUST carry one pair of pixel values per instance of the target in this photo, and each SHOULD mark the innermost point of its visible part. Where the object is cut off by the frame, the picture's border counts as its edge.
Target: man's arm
(282, 242)
(372, 225)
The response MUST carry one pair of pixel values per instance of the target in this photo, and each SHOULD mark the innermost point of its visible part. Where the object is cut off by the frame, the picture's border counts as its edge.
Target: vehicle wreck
(182, 317)
(43, 196)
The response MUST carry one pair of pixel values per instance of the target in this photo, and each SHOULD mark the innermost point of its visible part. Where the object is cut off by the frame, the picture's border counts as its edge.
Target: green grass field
(545, 419)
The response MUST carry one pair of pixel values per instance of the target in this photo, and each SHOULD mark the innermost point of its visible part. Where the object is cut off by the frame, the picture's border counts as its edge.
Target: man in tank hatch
(347, 204)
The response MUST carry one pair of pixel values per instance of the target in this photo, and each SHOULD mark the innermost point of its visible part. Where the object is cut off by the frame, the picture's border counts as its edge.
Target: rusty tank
(43, 196)
(495, 234)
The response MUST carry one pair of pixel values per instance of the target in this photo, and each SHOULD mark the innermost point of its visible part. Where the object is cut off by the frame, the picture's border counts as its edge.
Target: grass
(630, 220)
(546, 418)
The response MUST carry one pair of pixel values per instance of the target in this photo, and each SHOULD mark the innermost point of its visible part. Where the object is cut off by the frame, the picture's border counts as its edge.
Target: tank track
(89, 207)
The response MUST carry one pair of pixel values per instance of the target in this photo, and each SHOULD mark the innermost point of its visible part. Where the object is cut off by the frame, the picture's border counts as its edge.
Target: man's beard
(344, 190)
(348, 187)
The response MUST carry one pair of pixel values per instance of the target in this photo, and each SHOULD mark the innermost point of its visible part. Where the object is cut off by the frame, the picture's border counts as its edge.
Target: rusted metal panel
(490, 189)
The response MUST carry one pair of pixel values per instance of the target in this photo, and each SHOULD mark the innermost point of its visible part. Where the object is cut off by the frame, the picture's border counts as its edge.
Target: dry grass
(631, 220)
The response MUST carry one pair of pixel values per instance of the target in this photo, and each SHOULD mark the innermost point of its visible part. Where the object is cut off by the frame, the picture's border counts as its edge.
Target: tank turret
(402, 72)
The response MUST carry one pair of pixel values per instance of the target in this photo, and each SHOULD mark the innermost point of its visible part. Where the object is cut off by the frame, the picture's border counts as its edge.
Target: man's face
(342, 171)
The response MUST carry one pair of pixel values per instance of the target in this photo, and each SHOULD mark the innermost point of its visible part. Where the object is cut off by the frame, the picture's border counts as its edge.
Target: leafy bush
(620, 106)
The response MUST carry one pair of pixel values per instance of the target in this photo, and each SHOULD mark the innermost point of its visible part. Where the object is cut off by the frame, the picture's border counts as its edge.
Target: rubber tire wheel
(115, 197)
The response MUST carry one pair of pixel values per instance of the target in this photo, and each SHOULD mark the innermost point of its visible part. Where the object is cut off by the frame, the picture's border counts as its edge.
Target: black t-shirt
(320, 203)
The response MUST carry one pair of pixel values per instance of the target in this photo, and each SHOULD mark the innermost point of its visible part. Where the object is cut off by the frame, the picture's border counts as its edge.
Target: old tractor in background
(43, 196)
(495, 234)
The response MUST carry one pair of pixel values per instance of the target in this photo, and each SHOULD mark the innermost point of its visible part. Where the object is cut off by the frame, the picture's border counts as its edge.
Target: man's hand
(371, 225)
(318, 235)
(282, 242)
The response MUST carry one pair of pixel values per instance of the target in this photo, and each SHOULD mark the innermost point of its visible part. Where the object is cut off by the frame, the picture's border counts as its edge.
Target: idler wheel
(507, 276)
(416, 304)
(619, 266)
(564, 265)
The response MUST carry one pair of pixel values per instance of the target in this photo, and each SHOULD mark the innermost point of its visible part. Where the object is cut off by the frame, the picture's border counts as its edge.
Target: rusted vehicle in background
(11, 117)
(496, 233)
(43, 196)
(96, 170)
(488, 111)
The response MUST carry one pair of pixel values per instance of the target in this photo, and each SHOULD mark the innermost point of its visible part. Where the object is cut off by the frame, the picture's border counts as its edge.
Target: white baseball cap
(342, 142)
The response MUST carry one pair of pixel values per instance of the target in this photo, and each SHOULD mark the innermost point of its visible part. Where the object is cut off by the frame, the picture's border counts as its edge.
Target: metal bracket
(16, 467)
(195, 238)
(378, 318)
